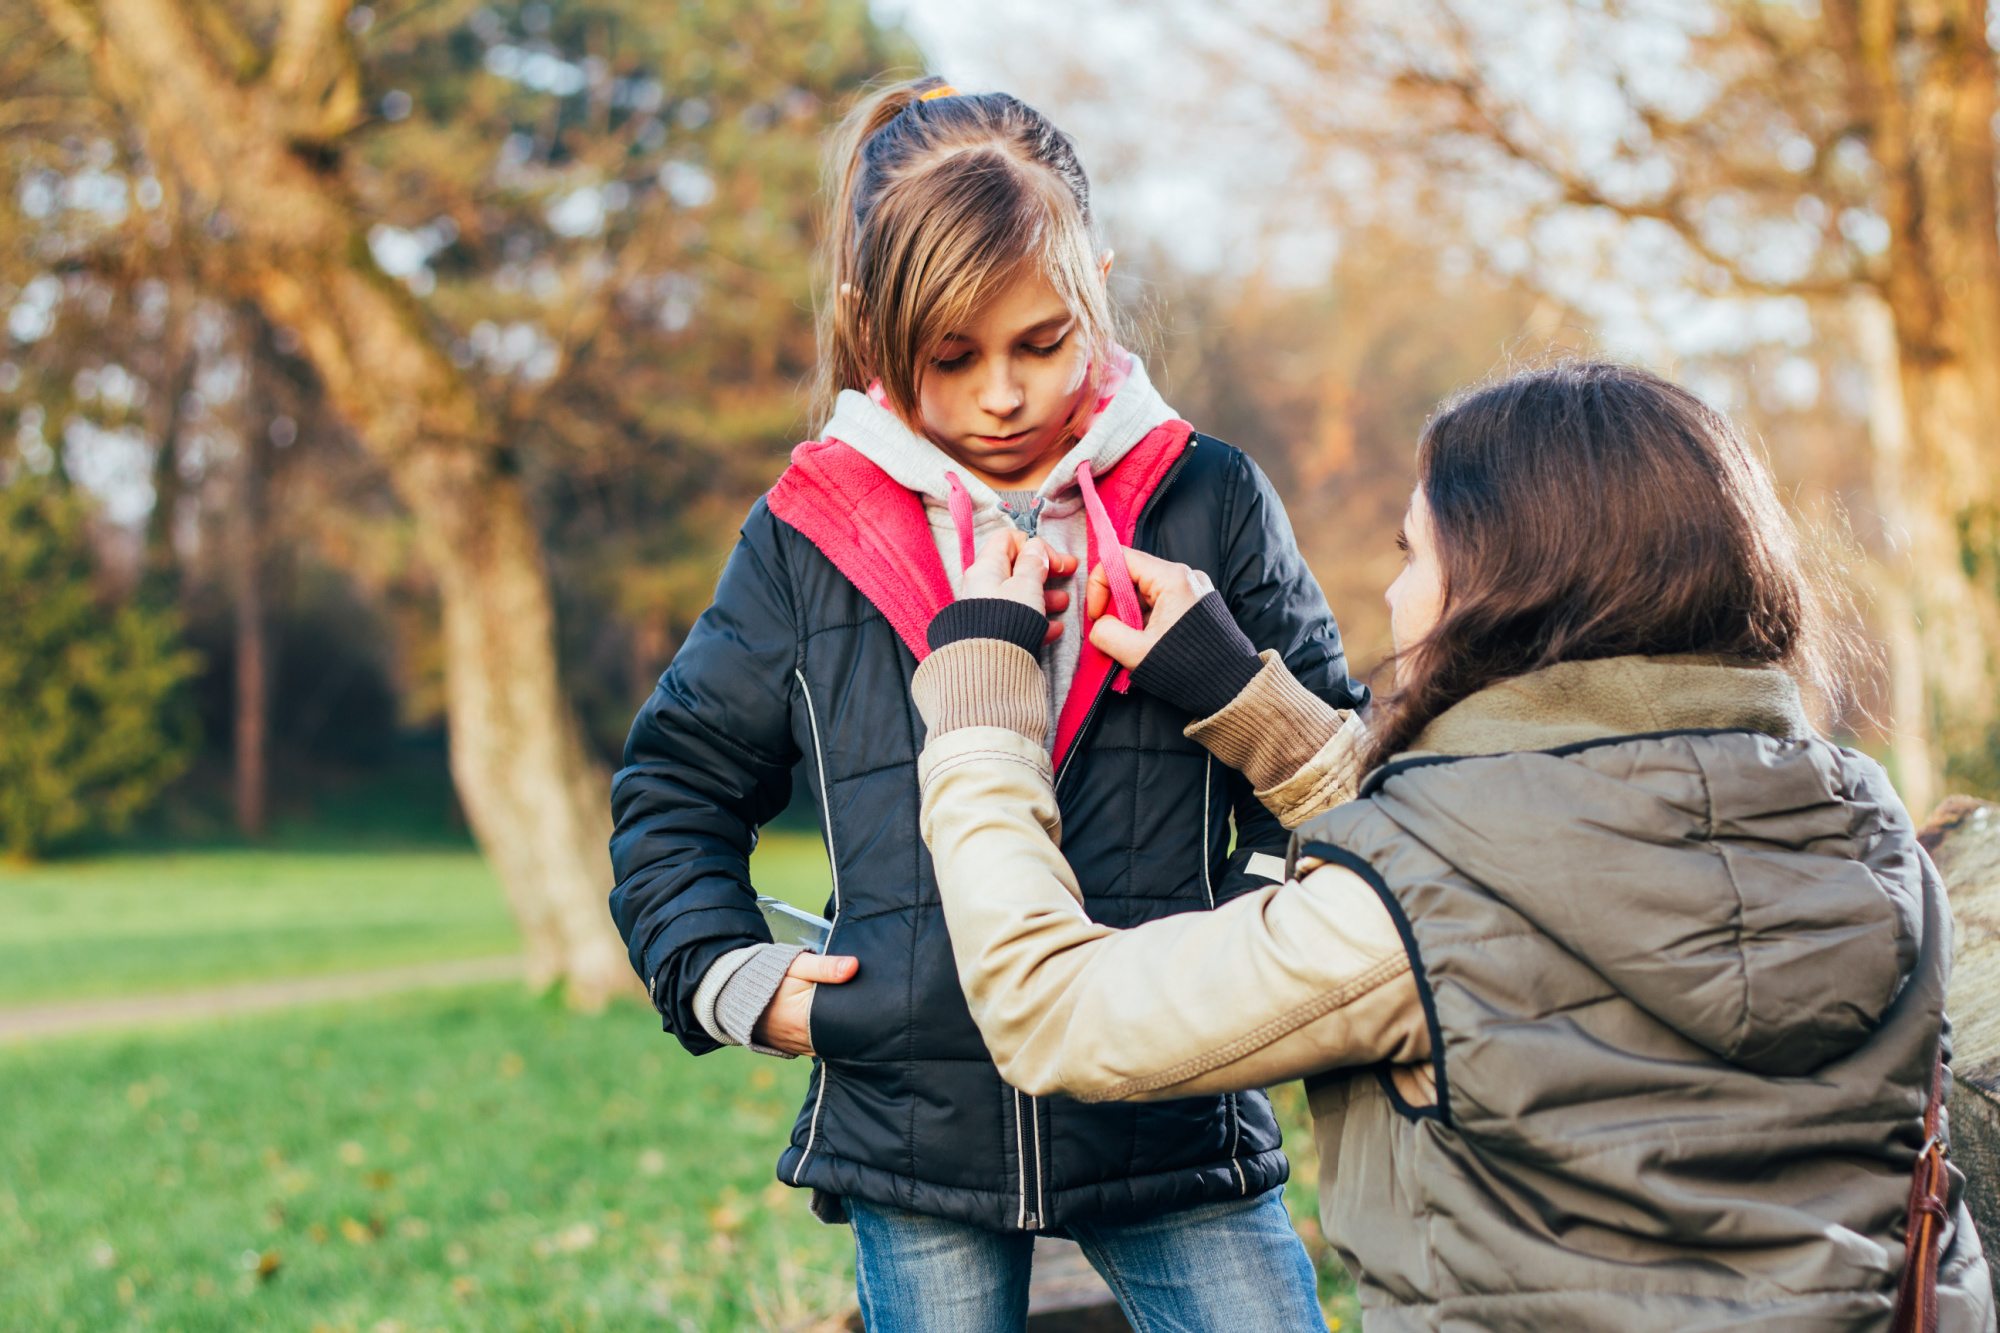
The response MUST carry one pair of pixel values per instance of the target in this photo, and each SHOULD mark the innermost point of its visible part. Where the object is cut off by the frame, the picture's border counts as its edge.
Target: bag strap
(1916, 1295)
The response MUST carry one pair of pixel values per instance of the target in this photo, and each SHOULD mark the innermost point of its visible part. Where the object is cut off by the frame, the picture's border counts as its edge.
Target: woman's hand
(786, 1024)
(1019, 569)
(1166, 588)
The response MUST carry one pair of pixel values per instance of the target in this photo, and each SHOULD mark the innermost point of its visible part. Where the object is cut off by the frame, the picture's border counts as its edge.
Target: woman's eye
(1049, 350)
(949, 364)
(1402, 543)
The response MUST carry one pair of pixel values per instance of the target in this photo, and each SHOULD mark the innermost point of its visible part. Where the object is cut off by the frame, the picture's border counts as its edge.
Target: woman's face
(999, 394)
(1416, 598)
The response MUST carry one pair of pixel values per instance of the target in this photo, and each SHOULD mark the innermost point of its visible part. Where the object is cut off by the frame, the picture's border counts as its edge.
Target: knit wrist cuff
(989, 618)
(1202, 662)
(1269, 730)
(748, 993)
(983, 683)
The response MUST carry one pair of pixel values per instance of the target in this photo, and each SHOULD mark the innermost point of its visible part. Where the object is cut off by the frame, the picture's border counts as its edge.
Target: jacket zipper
(1031, 1219)
(833, 864)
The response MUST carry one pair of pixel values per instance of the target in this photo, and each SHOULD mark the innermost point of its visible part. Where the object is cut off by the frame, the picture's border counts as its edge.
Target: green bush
(93, 715)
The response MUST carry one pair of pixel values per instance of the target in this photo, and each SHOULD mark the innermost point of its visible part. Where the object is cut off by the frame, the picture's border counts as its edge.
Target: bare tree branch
(315, 71)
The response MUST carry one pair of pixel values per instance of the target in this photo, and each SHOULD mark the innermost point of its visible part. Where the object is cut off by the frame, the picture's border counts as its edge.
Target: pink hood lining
(877, 534)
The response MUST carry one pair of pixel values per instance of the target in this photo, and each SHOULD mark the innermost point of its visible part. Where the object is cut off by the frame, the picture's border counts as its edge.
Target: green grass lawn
(133, 923)
(470, 1159)
(473, 1159)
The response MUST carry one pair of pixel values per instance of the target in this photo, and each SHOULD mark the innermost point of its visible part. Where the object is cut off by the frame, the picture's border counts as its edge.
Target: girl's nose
(1000, 394)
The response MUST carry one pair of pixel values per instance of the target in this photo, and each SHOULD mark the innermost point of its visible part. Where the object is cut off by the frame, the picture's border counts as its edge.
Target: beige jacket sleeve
(1285, 981)
(1301, 754)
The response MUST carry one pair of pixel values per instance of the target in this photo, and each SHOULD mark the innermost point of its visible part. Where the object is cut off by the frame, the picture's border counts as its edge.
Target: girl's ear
(1104, 265)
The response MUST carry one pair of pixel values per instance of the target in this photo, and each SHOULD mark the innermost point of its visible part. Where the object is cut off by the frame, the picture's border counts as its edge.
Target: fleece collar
(1572, 702)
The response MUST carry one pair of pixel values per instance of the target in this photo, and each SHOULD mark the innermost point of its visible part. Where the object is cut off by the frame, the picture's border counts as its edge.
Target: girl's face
(999, 395)
(1416, 598)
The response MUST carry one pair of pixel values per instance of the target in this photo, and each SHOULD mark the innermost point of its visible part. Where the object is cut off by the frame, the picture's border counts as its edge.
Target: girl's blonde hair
(939, 199)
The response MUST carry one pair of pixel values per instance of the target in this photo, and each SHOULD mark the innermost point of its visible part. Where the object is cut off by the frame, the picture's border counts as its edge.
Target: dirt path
(30, 1022)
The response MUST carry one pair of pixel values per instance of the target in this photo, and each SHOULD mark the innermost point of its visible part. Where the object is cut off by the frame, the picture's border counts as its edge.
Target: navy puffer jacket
(795, 668)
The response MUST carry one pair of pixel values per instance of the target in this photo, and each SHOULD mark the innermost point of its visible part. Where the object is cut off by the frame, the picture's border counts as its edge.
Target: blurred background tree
(93, 716)
(541, 267)
(1837, 154)
(426, 354)
(413, 363)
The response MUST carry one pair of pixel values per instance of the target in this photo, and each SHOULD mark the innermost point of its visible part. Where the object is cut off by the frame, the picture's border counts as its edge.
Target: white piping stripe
(833, 862)
(1208, 887)
(1207, 769)
(825, 798)
(1041, 1203)
(1020, 1164)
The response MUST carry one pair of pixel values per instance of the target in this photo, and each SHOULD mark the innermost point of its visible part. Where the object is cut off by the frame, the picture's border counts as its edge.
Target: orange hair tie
(946, 91)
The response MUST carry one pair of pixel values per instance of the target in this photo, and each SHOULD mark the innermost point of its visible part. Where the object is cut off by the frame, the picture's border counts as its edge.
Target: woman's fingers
(1156, 581)
(990, 567)
(1054, 563)
(1156, 578)
(1119, 641)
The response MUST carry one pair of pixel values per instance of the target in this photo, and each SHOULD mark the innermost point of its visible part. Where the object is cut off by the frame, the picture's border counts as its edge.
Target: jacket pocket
(851, 1020)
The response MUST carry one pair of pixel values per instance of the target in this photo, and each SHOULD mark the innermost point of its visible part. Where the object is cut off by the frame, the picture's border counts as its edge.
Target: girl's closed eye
(1047, 349)
(1402, 543)
(948, 364)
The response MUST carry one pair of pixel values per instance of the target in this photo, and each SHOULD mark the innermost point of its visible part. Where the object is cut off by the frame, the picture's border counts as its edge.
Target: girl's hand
(785, 1025)
(1019, 569)
(1166, 588)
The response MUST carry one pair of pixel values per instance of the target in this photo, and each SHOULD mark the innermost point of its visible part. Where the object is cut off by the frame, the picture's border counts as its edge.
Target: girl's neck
(1027, 479)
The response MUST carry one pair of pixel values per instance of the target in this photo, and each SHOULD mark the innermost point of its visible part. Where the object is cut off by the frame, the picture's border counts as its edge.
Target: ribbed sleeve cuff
(988, 618)
(1268, 730)
(983, 683)
(747, 993)
(1202, 662)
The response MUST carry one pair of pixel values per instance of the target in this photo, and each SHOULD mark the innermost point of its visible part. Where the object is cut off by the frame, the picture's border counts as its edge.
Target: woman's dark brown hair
(1596, 510)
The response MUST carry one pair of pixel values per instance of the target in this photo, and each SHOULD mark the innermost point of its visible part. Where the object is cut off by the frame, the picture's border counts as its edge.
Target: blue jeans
(1234, 1265)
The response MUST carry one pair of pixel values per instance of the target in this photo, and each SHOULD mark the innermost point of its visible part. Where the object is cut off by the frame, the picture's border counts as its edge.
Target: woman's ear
(1104, 265)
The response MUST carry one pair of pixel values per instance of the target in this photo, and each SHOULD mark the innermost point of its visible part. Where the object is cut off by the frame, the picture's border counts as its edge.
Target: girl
(1619, 990)
(970, 385)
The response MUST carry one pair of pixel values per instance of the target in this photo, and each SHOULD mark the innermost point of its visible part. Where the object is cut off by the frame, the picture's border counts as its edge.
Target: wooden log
(1066, 1295)
(1963, 838)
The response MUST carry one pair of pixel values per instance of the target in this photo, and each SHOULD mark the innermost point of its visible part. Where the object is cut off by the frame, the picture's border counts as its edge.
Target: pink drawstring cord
(1111, 555)
(961, 518)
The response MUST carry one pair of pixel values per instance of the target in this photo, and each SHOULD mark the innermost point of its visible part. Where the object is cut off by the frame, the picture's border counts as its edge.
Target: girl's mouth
(1015, 438)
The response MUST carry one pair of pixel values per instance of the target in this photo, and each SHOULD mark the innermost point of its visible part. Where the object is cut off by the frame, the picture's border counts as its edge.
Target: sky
(1209, 170)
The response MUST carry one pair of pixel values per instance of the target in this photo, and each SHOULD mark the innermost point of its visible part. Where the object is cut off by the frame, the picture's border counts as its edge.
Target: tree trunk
(1897, 586)
(246, 557)
(537, 805)
(1927, 74)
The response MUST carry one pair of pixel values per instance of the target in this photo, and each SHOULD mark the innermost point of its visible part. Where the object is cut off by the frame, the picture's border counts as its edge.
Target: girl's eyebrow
(1049, 325)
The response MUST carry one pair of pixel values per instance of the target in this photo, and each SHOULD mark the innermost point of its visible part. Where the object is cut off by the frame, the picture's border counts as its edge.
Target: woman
(1619, 991)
